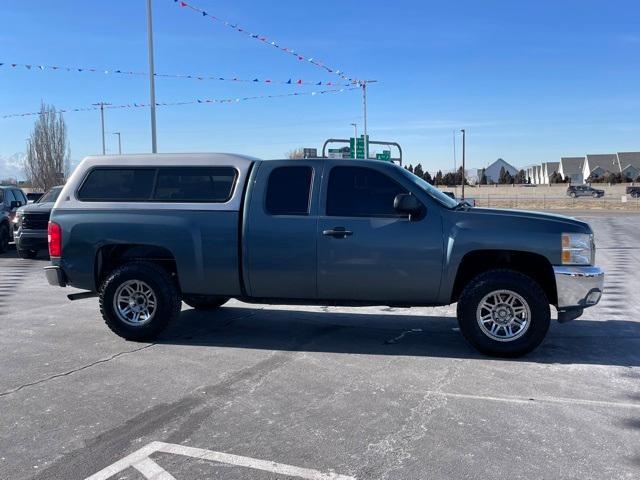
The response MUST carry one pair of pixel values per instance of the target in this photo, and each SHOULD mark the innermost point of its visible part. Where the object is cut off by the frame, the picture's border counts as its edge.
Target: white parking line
(152, 471)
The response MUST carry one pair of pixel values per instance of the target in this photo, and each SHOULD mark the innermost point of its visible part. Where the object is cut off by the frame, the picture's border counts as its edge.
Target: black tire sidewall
(27, 254)
(504, 280)
(165, 290)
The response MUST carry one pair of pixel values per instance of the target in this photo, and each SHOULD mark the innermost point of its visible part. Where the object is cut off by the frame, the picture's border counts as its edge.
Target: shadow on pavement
(613, 342)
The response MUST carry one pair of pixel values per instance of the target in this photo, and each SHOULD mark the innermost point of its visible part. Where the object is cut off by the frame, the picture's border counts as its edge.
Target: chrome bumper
(579, 287)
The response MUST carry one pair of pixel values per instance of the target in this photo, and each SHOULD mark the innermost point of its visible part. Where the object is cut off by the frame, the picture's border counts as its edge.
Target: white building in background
(629, 162)
(571, 169)
(547, 170)
(492, 172)
(599, 164)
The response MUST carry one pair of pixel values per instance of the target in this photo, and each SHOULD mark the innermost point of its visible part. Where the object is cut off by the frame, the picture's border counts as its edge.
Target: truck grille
(35, 221)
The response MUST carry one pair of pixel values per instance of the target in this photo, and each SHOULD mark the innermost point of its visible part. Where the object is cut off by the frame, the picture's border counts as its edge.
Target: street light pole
(102, 105)
(463, 159)
(455, 186)
(355, 129)
(119, 142)
(363, 84)
(152, 83)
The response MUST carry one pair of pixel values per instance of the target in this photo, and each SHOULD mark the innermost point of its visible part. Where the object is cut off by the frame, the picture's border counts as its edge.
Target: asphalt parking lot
(257, 392)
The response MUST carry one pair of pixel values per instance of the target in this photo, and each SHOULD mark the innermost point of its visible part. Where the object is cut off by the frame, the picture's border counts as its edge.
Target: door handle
(337, 232)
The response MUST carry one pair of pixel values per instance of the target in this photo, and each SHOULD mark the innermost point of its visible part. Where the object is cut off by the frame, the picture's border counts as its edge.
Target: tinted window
(361, 192)
(8, 195)
(118, 184)
(51, 196)
(214, 184)
(19, 194)
(288, 191)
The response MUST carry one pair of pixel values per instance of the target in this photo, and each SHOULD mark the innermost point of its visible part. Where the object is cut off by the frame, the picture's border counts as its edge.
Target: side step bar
(82, 295)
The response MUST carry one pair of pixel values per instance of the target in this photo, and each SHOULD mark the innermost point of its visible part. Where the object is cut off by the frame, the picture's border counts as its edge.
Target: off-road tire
(204, 302)
(503, 279)
(5, 237)
(166, 292)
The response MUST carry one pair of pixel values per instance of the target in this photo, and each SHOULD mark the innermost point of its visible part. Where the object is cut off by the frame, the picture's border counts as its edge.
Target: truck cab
(145, 232)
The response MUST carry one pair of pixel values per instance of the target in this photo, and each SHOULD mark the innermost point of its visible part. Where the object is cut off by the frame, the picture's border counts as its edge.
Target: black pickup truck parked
(30, 224)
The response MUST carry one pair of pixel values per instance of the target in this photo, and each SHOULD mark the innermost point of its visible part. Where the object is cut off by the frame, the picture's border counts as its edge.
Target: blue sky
(530, 81)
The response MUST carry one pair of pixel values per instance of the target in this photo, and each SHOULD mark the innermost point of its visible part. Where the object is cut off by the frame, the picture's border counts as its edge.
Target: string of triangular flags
(56, 68)
(264, 39)
(188, 102)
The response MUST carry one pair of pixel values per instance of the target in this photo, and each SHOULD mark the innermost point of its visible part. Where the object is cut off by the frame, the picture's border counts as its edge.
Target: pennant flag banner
(265, 40)
(55, 68)
(189, 102)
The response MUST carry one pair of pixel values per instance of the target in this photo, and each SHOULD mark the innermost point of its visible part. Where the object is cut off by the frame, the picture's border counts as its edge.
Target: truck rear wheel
(138, 300)
(503, 313)
(204, 302)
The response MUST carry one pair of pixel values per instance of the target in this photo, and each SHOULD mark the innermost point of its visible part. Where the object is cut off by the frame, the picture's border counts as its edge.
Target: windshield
(432, 191)
(51, 196)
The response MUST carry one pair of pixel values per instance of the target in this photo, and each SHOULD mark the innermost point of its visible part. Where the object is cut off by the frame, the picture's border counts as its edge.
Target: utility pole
(463, 160)
(119, 142)
(102, 105)
(152, 82)
(363, 84)
(455, 187)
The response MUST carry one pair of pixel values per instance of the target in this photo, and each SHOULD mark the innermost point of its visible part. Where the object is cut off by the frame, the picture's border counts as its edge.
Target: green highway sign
(385, 155)
(360, 149)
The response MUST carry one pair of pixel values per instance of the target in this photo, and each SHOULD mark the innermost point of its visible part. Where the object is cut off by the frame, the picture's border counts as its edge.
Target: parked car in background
(11, 198)
(574, 191)
(30, 224)
(468, 201)
(634, 192)
(33, 197)
(146, 232)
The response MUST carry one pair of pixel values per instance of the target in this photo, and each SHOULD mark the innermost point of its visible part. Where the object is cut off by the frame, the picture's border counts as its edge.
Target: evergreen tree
(502, 177)
(418, 170)
(427, 177)
(483, 177)
(438, 179)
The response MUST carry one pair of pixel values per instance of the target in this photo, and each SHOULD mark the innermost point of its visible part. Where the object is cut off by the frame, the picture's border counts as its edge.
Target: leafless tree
(47, 161)
(296, 154)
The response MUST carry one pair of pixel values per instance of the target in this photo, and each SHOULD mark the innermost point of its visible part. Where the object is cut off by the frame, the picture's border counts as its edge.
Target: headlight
(16, 218)
(578, 249)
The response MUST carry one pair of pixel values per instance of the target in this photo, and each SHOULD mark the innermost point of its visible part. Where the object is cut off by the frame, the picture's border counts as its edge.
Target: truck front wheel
(138, 300)
(503, 313)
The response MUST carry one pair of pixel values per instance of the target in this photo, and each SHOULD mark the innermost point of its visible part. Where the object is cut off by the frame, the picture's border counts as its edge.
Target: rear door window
(288, 191)
(209, 184)
(117, 184)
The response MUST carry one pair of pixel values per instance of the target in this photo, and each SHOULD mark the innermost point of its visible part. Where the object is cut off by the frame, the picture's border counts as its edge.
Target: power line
(191, 76)
(264, 39)
(106, 106)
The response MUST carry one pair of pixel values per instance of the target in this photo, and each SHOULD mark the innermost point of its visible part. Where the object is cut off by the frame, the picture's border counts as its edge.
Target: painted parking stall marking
(140, 461)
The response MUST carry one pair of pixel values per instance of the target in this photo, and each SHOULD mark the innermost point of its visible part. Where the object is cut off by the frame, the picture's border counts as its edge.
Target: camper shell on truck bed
(146, 231)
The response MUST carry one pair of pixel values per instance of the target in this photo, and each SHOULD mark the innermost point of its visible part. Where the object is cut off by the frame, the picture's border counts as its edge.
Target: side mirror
(408, 204)
(15, 204)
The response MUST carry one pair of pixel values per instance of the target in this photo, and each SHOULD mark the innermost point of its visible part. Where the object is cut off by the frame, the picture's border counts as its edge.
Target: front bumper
(578, 287)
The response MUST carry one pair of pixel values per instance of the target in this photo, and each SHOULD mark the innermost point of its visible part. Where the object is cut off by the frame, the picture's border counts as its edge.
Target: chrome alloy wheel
(135, 303)
(503, 315)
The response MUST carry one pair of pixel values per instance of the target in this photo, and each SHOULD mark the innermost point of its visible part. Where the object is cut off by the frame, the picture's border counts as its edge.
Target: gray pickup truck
(146, 232)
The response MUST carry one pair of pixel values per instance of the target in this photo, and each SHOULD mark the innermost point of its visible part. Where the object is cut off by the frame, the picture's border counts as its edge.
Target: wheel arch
(534, 265)
(111, 256)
